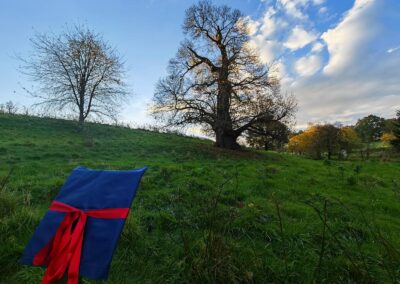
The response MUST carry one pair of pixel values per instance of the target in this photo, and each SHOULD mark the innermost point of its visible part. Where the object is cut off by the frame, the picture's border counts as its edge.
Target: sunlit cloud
(308, 65)
(299, 38)
(339, 73)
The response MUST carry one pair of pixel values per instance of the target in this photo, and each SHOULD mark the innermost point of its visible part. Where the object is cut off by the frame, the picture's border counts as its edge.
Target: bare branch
(76, 70)
(217, 81)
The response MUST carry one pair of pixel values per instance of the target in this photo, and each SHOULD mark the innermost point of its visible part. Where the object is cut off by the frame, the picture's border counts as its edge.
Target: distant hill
(205, 215)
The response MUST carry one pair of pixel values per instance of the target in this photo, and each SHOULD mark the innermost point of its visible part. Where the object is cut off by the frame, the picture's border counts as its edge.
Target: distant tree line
(12, 108)
(216, 81)
(328, 139)
(394, 135)
(335, 140)
(9, 107)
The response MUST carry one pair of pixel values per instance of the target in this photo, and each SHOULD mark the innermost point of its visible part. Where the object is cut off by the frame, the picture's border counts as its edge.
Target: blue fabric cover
(90, 189)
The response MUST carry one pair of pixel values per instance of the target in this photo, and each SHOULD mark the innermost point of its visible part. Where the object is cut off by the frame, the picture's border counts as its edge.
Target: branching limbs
(77, 71)
(216, 80)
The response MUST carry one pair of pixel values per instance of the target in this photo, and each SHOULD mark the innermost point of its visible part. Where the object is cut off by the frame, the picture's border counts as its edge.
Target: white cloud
(357, 76)
(249, 24)
(269, 24)
(293, 8)
(299, 38)
(308, 65)
(322, 100)
(319, 2)
(323, 10)
(279, 69)
(296, 8)
(393, 49)
(267, 49)
(317, 47)
(252, 28)
(264, 39)
(348, 37)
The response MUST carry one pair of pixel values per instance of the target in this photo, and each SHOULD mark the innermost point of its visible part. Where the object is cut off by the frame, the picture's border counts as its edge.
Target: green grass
(204, 215)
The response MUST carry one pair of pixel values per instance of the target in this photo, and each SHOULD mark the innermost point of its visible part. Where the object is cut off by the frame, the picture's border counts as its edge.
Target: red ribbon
(64, 250)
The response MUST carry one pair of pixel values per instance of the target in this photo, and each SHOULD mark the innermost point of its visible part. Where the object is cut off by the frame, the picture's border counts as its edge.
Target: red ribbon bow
(64, 250)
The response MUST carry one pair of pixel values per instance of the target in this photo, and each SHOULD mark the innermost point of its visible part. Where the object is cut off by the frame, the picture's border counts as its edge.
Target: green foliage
(8, 204)
(325, 139)
(396, 132)
(270, 135)
(206, 215)
(370, 128)
(349, 141)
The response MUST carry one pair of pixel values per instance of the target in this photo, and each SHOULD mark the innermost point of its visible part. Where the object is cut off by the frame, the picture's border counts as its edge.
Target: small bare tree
(11, 107)
(216, 80)
(77, 71)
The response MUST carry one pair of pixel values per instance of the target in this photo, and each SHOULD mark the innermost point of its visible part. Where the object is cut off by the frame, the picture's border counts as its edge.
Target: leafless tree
(11, 107)
(77, 71)
(26, 110)
(216, 80)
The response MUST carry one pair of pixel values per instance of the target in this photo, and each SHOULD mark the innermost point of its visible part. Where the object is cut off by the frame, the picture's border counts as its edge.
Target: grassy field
(204, 215)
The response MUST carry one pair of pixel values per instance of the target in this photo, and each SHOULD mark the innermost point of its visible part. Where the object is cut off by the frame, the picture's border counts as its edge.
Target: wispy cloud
(393, 49)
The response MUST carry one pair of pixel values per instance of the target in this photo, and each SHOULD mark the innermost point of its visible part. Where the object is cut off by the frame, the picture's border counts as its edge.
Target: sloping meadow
(204, 215)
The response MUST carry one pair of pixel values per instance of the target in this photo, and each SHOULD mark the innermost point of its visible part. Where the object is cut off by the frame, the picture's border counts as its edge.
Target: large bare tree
(76, 71)
(216, 80)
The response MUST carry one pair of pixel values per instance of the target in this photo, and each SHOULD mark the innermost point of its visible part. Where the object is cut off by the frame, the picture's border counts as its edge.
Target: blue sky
(341, 58)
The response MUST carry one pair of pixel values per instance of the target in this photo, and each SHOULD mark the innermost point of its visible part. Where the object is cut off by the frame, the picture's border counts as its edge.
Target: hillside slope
(207, 215)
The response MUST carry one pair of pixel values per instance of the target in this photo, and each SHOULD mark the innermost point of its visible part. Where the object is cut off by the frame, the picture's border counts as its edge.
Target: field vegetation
(208, 215)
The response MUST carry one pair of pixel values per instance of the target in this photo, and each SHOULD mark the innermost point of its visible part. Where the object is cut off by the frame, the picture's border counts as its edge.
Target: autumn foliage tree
(216, 80)
(349, 140)
(328, 139)
(387, 138)
(305, 142)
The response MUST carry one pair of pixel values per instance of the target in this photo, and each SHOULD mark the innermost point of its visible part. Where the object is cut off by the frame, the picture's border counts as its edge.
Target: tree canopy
(396, 132)
(77, 71)
(370, 128)
(270, 135)
(216, 80)
(327, 139)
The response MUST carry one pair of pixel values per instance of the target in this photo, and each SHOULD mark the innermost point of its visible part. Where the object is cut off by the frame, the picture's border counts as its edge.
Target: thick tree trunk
(81, 120)
(81, 107)
(227, 141)
(225, 136)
